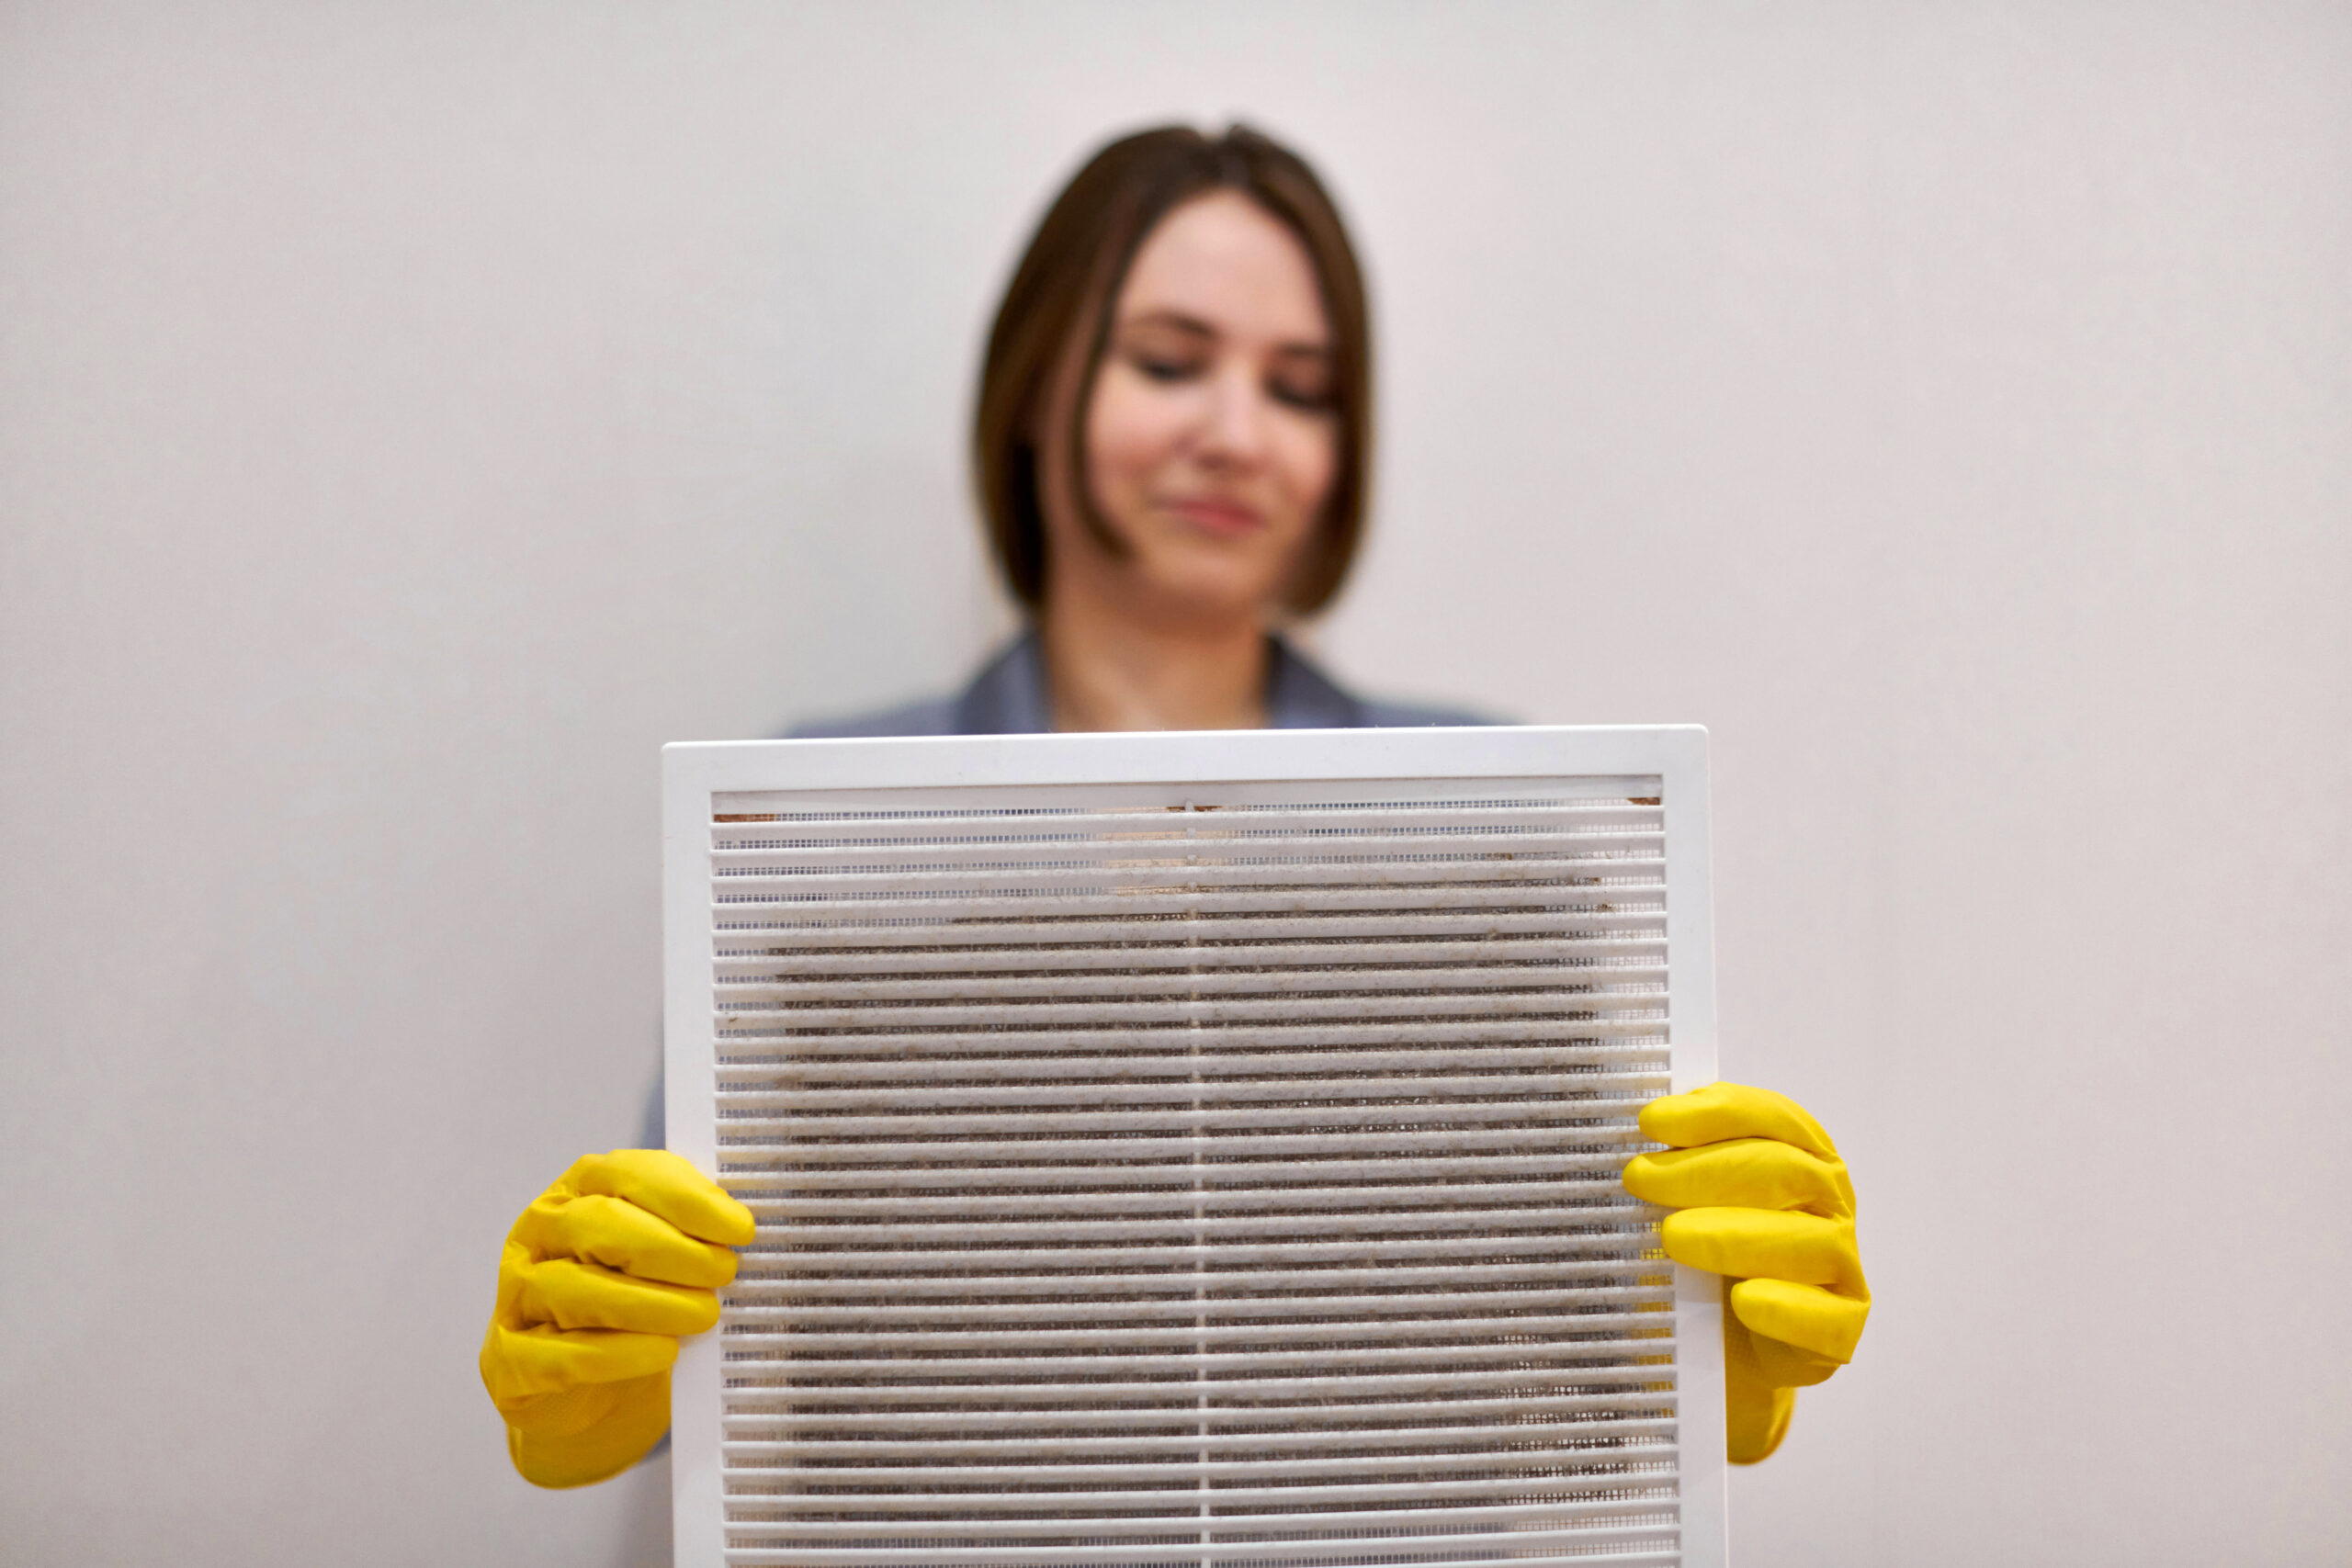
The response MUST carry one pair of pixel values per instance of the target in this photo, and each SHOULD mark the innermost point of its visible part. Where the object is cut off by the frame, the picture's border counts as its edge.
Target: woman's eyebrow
(1192, 326)
(1173, 320)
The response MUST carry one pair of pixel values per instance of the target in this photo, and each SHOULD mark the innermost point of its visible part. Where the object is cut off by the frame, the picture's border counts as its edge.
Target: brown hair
(1069, 280)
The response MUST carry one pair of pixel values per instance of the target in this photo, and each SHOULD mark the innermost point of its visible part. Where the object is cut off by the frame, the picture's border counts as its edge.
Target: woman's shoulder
(1299, 695)
(1006, 697)
(1410, 715)
(933, 716)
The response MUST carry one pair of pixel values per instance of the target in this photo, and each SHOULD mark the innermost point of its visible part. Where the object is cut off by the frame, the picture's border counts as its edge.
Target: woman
(1172, 444)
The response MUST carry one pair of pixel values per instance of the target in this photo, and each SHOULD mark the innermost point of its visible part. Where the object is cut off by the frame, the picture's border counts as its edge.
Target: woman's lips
(1231, 518)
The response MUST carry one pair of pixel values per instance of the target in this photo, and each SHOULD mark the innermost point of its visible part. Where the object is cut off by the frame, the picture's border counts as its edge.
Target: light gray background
(411, 415)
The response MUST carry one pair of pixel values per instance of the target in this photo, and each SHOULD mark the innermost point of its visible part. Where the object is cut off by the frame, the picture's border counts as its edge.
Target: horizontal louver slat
(1643, 1545)
(939, 937)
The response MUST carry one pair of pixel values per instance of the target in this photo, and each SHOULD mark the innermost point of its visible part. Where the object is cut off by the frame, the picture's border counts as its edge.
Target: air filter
(1192, 1150)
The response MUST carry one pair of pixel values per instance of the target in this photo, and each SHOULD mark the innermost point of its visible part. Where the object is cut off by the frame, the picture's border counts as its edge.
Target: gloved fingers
(1809, 1320)
(524, 1363)
(1751, 1243)
(1749, 1173)
(665, 1184)
(562, 1294)
(1723, 1110)
(617, 1233)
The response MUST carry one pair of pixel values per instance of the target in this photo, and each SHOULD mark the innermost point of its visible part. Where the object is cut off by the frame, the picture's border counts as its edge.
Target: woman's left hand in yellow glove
(1765, 1200)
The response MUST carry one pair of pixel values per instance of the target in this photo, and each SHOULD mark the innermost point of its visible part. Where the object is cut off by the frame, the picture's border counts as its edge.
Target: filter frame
(698, 777)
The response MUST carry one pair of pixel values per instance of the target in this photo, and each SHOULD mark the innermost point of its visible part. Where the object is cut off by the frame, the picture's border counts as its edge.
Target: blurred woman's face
(1211, 445)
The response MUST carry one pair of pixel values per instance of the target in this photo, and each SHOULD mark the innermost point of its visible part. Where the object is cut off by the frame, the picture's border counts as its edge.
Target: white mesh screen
(1226, 1180)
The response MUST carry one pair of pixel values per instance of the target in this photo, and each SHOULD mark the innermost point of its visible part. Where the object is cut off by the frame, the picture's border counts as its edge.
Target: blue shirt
(1009, 696)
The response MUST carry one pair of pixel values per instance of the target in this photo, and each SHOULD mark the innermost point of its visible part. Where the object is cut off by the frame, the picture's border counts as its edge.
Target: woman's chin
(1210, 599)
(1210, 585)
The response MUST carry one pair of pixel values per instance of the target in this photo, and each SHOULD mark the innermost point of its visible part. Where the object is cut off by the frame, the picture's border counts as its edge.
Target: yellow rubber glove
(598, 1280)
(1766, 1201)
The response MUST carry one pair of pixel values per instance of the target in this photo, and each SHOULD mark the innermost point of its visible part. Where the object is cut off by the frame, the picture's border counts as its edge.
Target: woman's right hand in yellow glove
(598, 1280)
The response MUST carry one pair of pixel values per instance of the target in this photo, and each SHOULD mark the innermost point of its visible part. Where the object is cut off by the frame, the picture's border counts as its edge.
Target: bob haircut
(1068, 282)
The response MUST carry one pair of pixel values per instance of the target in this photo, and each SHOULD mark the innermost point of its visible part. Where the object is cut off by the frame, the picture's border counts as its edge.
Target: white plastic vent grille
(1223, 1179)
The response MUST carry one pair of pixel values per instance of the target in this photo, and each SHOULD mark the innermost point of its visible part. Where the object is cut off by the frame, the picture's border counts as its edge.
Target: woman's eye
(1156, 369)
(1314, 396)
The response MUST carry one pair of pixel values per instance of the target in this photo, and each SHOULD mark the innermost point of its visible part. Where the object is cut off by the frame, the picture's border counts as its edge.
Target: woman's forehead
(1224, 262)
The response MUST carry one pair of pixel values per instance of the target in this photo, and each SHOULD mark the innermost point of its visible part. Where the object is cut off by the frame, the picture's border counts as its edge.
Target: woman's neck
(1106, 670)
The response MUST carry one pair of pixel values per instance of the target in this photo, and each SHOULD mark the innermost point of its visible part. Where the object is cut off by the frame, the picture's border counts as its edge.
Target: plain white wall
(410, 416)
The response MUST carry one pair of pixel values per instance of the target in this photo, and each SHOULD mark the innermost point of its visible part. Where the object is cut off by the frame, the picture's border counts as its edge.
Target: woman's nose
(1235, 432)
